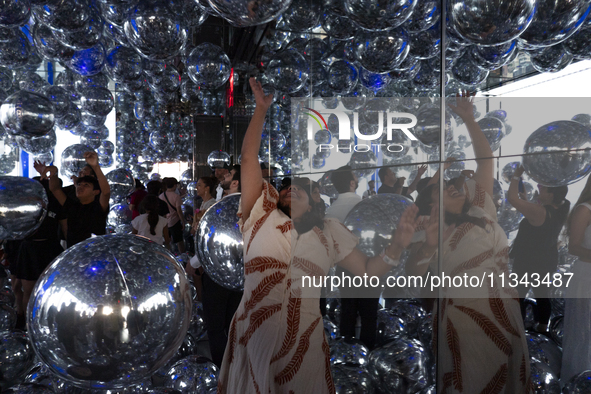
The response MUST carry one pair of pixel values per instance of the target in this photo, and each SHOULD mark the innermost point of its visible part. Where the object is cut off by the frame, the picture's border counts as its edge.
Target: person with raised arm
(276, 340)
(88, 215)
(482, 345)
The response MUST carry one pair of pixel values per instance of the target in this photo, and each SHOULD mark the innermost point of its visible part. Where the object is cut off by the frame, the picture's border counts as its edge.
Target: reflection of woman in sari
(484, 347)
(276, 342)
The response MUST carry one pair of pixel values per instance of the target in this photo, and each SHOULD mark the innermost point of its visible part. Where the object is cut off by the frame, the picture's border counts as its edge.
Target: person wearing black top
(39, 249)
(88, 215)
(393, 185)
(154, 188)
(535, 249)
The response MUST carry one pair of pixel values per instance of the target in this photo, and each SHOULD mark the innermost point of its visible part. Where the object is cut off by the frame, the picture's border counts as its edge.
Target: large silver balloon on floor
(218, 242)
(558, 153)
(23, 206)
(109, 311)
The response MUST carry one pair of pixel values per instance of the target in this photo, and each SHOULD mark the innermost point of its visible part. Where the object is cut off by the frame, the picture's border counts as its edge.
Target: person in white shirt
(150, 224)
(220, 173)
(345, 181)
(371, 189)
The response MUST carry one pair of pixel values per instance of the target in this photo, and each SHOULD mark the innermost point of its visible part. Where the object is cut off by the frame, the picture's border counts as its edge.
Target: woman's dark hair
(150, 204)
(424, 200)
(312, 218)
(139, 184)
(154, 188)
(211, 182)
(170, 182)
(341, 178)
(559, 193)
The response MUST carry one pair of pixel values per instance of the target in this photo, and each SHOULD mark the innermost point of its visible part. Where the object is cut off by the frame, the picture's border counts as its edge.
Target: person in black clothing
(535, 248)
(39, 249)
(219, 303)
(88, 215)
(393, 185)
(155, 188)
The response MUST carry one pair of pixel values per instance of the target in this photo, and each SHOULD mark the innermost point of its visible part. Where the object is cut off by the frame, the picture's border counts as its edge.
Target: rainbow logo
(316, 119)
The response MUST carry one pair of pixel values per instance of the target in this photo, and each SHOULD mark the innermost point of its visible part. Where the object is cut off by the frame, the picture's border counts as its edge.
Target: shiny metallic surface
(348, 351)
(544, 380)
(553, 22)
(23, 206)
(491, 22)
(381, 52)
(73, 159)
(155, 30)
(351, 379)
(550, 59)
(7, 317)
(242, 13)
(579, 384)
(219, 245)
(374, 15)
(193, 374)
(568, 144)
(492, 57)
(16, 357)
(121, 183)
(37, 145)
(400, 367)
(374, 220)
(109, 312)
(494, 131)
(119, 215)
(288, 71)
(208, 66)
(96, 100)
(27, 113)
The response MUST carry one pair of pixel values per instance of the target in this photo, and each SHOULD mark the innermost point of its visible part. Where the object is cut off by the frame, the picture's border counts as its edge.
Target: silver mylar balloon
(16, 357)
(109, 311)
(15, 50)
(28, 388)
(390, 326)
(543, 349)
(351, 379)
(87, 37)
(121, 183)
(381, 52)
(567, 147)
(554, 22)
(342, 77)
(155, 30)
(48, 46)
(412, 312)
(218, 242)
(14, 13)
(7, 317)
(326, 186)
(331, 330)
(96, 101)
(73, 159)
(37, 145)
(556, 329)
(375, 219)
(218, 158)
(88, 61)
(363, 163)
(492, 57)
(208, 66)
(123, 64)
(337, 27)
(400, 366)
(426, 77)
(23, 206)
(509, 217)
(59, 97)
(119, 214)
(197, 327)
(579, 44)
(584, 119)
(425, 44)
(28, 114)
(578, 384)
(425, 15)
(375, 15)
(193, 374)
(508, 171)
(243, 13)
(551, 59)
(428, 128)
(494, 131)
(71, 119)
(166, 390)
(491, 22)
(543, 380)
(288, 71)
(302, 15)
(348, 351)
(467, 72)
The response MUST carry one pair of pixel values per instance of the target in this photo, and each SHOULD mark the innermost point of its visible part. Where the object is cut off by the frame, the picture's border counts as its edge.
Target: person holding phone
(535, 250)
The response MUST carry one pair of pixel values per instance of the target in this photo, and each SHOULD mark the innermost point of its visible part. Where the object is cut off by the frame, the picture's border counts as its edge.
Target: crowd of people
(270, 337)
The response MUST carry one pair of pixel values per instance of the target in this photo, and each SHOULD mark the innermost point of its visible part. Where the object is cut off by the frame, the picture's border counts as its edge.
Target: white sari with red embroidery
(484, 349)
(276, 342)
